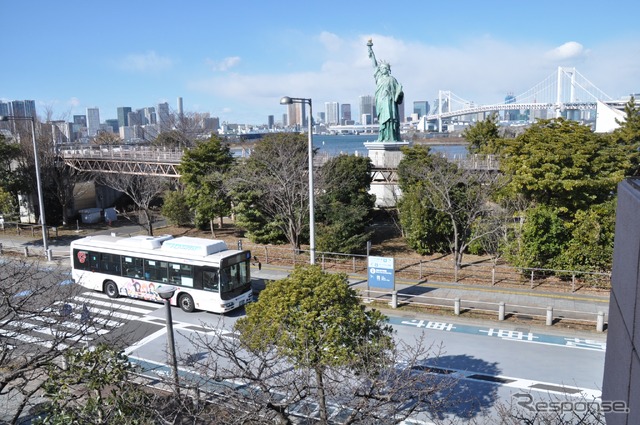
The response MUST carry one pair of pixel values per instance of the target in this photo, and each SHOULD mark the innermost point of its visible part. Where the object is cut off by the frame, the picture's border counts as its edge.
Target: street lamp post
(38, 181)
(286, 100)
(166, 292)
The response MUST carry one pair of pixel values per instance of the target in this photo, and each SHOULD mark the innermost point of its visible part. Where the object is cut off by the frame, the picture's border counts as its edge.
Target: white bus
(207, 276)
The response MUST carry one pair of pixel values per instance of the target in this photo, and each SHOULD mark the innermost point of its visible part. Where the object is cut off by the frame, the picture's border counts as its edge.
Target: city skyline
(235, 62)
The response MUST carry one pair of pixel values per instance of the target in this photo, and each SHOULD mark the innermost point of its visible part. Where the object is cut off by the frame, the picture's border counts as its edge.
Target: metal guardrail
(499, 310)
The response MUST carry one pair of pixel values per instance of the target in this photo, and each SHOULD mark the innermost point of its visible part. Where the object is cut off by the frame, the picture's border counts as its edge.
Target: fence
(436, 270)
(498, 310)
(443, 270)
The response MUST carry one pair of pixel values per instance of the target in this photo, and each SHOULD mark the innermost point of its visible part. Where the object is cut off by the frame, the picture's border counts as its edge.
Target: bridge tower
(571, 73)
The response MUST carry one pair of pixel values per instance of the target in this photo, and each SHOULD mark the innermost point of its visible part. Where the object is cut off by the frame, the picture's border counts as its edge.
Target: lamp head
(286, 101)
(4, 118)
(166, 291)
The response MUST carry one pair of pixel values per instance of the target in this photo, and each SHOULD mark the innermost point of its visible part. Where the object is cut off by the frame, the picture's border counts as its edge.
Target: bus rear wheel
(186, 303)
(111, 289)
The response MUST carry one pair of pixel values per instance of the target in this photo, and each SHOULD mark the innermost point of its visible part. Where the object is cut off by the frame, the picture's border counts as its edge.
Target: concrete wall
(622, 361)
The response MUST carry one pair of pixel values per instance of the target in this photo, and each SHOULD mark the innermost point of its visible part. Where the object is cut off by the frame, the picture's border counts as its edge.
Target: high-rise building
(93, 121)
(134, 118)
(114, 124)
(511, 115)
(80, 120)
(332, 113)
(61, 132)
(164, 117)
(367, 107)
(5, 109)
(345, 113)
(148, 115)
(23, 108)
(211, 123)
(123, 119)
(270, 121)
(297, 115)
(180, 110)
(421, 107)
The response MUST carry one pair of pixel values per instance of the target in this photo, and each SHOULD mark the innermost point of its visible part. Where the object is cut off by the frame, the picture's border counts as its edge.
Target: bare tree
(107, 138)
(267, 389)
(142, 189)
(38, 322)
(271, 187)
(463, 195)
(181, 131)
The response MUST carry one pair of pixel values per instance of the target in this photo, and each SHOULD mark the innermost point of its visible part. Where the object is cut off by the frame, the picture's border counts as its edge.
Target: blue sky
(236, 59)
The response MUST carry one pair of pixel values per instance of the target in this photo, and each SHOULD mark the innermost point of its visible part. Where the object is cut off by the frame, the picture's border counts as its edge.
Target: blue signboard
(381, 273)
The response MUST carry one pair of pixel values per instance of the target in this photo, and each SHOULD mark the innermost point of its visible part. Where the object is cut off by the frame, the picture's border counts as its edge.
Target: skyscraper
(114, 124)
(511, 115)
(345, 113)
(180, 110)
(5, 109)
(421, 107)
(367, 107)
(134, 118)
(297, 114)
(80, 120)
(123, 119)
(332, 110)
(148, 115)
(270, 121)
(93, 121)
(163, 117)
(23, 108)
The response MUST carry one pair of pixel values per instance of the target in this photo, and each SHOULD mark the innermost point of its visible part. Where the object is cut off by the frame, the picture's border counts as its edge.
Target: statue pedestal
(385, 157)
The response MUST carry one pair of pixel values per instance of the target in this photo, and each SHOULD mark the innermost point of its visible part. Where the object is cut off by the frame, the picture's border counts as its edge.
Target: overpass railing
(124, 153)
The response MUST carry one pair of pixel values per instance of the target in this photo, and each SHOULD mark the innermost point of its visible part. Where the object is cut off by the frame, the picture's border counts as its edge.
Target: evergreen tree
(482, 136)
(628, 136)
(343, 210)
(563, 164)
(271, 190)
(316, 321)
(203, 171)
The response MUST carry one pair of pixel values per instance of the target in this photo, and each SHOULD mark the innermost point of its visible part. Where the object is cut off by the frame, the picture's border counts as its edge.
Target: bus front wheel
(111, 289)
(186, 303)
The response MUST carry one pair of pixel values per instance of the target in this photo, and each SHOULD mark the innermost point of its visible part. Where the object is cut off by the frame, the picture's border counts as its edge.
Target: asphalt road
(493, 363)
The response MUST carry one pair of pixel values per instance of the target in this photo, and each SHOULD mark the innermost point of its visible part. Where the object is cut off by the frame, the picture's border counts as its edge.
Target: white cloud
(74, 102)
(569, 50)
(145, 62)
(225, 64)
(330, 41)
(480, 70)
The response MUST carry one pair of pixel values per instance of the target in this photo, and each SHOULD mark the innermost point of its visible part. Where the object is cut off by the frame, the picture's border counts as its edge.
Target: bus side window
(81, 259)
(94, 261)
(210, 280)
(181, 274)
(132, 266)
(156, 270)
(110, 263)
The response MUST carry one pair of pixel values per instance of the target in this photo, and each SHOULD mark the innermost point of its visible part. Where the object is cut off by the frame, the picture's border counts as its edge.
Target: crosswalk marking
(81, 318)
(94, 302)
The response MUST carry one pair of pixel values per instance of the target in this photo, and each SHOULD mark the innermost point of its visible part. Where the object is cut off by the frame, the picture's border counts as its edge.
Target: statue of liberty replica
(388, 96)
(386, 151)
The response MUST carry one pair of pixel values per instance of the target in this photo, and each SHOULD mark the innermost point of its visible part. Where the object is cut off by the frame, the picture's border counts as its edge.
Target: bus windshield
(234, 279)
